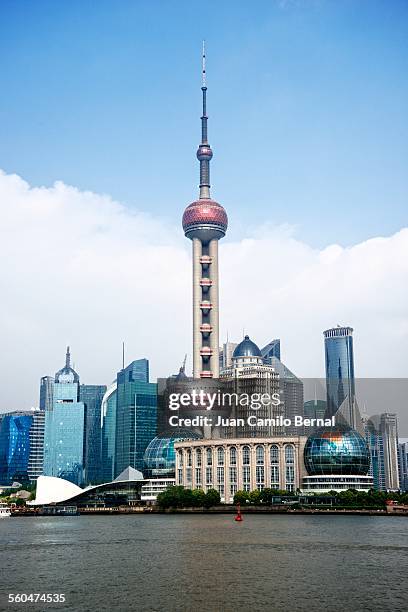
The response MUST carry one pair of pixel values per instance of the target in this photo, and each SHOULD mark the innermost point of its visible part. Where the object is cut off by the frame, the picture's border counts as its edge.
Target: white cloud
(79, 268)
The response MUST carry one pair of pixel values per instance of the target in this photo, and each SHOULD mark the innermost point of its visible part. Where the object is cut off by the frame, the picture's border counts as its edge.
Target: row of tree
(179, 497)
(351, 497)
(369, 499)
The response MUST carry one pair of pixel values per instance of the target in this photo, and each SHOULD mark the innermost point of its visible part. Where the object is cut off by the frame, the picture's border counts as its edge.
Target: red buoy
(238, 516)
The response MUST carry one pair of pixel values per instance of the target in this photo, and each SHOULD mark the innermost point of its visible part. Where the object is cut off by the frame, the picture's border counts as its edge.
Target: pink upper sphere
(203, 212)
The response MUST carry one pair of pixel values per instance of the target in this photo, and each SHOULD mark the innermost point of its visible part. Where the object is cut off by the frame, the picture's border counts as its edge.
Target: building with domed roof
(249, 374)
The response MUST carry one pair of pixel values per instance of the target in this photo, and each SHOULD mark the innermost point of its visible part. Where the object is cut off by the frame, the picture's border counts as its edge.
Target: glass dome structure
(160, 456)
(247, 348)
(336, 451)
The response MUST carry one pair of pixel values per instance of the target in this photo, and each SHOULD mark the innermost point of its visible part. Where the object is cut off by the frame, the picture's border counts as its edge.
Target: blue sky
(307, 102)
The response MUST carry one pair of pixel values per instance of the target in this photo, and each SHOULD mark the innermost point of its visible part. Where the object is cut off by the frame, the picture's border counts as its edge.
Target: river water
(207, 562)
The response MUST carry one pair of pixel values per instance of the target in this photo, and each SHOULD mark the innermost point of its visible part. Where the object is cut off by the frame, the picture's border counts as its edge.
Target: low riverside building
(241, 464)
(130, 488)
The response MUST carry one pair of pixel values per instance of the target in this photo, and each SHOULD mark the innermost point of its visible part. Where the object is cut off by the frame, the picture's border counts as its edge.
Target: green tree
(173, 497)
(241, 497)
(255, 497)
(266, 496)
(212, 498)
(198, 498)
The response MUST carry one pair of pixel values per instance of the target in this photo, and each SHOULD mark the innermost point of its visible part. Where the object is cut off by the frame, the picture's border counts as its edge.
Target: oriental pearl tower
(205, 222)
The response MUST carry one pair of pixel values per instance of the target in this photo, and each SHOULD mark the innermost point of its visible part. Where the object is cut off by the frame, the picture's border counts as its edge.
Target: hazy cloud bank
(79, 268)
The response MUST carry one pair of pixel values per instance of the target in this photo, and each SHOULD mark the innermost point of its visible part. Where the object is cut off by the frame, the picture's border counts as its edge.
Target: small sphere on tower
(204, 153)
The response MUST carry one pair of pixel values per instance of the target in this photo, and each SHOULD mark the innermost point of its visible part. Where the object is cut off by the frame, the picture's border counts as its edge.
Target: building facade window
(290, 467)
(189, 458)
(209, 456)
(220, 456)
(246, 477)
(220, 480)
(289, 454)
(198, 477)
(260, 477)
(274, 454)
(245, 455)
(198, 457)
(233, 455)
(260, 455)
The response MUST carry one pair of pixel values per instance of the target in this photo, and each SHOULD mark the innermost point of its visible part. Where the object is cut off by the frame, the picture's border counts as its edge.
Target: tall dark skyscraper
(46, 392)
(91, 396)
(205, 222)
(340, 384)
(136, 415)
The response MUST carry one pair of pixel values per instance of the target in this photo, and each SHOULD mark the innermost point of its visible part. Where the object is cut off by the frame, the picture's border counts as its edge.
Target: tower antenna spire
(203, 67)
(204, 153)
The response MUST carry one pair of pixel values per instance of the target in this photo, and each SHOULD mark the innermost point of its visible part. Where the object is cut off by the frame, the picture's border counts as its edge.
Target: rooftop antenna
(68, 358)
(183, 367)
(123, 355)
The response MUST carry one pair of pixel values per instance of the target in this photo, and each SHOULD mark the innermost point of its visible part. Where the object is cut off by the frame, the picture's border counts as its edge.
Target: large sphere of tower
(205, 219)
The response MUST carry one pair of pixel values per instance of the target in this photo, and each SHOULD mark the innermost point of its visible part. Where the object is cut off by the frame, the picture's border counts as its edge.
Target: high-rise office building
(340, 384)
(403, 465)
(136, 371)
(46, 392)
(35, 466)
(108, 424)
(205, 222)
(64, 433)
(314, 409)
(291, 393)
(136, 415)
(14, 446)
(381, 433)
(91, 396)
(272, 349)
(226, 353)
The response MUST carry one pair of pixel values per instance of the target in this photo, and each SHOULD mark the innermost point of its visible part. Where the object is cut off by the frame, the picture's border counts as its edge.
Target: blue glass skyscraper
(136, 415)
(91, 396)
(340, 384)
(64, 433)
(14, 446)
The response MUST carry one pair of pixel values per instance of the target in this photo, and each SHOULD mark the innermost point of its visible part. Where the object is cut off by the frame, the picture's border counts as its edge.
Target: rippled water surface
(206, 562)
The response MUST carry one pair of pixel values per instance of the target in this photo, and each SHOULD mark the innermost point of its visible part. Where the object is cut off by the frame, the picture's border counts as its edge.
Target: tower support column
(197, 251)
(214, 338)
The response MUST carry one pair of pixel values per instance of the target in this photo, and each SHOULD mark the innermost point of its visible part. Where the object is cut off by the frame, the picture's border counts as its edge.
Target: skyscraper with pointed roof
(64, 431)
